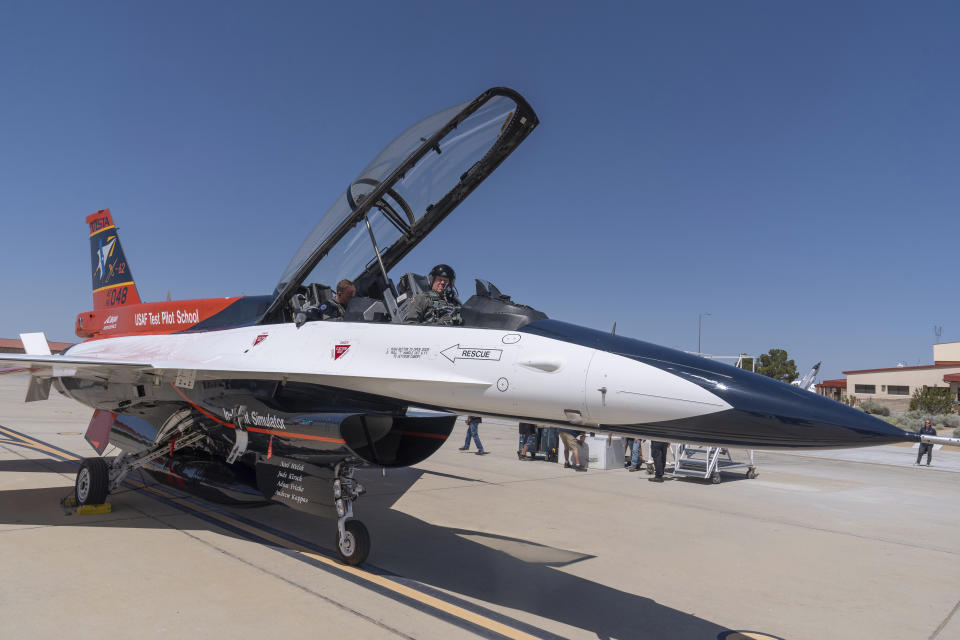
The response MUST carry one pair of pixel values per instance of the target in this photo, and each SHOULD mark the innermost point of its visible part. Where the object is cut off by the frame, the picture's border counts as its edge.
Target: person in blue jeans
(636, 459)
(528, 440)
(473, 422)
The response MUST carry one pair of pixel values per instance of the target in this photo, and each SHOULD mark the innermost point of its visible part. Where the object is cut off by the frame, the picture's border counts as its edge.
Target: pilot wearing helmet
(440, 305)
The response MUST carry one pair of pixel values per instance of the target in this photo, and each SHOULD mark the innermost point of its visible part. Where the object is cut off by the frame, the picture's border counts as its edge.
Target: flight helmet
(444, 270)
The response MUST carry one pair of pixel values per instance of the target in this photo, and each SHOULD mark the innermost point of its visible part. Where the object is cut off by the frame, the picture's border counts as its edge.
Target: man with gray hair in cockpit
(439, 305)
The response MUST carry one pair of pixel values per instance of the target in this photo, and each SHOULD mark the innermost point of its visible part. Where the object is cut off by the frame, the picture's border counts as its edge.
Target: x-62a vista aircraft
(258, 398)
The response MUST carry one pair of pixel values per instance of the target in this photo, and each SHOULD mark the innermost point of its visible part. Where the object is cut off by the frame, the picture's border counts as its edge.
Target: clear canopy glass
(407, 206)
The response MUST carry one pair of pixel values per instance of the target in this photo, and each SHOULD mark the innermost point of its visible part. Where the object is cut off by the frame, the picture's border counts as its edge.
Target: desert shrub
(875, 408)
(911, 424)
(849, 400)
(934, 400)
(956, 433)
(913, 420)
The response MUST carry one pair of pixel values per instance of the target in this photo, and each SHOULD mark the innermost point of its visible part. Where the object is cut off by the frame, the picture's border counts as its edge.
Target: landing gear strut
(98, 478)
(353, 539)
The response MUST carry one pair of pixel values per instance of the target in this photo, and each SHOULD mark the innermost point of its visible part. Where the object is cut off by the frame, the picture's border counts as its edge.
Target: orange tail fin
(113, 284)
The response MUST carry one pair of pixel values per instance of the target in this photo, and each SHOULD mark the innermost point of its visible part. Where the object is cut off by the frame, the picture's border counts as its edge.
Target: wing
(53, 365)
(43, 368)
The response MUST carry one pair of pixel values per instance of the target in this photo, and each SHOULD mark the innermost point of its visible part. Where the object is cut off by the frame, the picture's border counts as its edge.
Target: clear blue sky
(790, 168)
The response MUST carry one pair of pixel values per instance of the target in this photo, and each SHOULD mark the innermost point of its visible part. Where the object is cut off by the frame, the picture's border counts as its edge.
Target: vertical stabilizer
(112, 280)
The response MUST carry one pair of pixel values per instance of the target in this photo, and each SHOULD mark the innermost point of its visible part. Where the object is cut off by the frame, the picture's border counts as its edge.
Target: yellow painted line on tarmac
(381, 581)
(28, 442)
(430, 601)
(215, 514)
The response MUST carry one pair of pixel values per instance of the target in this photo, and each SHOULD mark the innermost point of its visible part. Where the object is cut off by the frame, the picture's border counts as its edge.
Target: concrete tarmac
(858, 544)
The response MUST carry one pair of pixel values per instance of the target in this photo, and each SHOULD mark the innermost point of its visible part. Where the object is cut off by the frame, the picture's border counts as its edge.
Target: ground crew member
(926, 447)
(439, 305)
(659, 452)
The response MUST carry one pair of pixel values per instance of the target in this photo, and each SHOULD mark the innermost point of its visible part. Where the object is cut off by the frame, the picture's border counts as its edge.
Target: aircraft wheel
(355, 546)
(752, 473)
(93, 482)
(715, 478)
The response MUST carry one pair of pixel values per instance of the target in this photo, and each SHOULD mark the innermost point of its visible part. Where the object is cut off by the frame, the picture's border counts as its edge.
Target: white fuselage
(466, 370)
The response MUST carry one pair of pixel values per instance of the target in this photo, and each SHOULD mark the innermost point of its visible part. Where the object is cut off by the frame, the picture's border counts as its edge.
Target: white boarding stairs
(708, 462)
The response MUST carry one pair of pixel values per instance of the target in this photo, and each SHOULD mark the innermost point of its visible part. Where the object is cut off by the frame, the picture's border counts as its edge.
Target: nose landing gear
(353, 542)
(353, 539)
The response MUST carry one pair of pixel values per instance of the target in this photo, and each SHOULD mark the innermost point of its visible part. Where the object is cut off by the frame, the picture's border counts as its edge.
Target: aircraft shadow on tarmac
(35, 465)
(515, 573)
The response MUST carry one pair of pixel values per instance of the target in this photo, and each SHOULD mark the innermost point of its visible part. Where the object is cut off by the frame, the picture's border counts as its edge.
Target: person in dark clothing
(925, 447)
(473, 424)
(658, 451)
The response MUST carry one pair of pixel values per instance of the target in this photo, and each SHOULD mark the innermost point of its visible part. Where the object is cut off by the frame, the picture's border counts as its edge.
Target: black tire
(752, 473)
(715, 478)
(357, 546)
(93, 482)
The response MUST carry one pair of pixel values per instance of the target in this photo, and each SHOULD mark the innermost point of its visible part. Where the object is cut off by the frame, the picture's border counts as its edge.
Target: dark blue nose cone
(765, 413)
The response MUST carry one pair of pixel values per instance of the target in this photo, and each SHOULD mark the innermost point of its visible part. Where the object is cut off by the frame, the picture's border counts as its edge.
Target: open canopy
(407, 190)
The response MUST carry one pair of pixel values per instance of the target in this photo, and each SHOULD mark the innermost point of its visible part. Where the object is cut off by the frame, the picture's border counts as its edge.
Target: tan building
(833, 389)
(892, 387)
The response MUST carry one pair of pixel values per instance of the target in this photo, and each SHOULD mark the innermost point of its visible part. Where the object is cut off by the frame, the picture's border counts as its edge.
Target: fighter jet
(808, 380)
(259, 398)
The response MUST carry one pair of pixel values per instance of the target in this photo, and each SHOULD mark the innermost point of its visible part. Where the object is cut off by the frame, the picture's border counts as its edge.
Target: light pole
(699, 328)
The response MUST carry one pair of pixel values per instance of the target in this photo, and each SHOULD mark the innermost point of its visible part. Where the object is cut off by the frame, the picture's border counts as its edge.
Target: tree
(932, 400)
(775, 365)
(745, 362)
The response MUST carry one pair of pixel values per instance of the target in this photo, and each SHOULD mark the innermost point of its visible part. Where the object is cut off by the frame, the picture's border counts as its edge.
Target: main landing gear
(353, 539)
(98, 478)
(93, 482)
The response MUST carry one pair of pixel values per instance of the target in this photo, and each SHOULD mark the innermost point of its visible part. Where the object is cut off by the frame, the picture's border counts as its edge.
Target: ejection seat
(411, 284)
(306, 304)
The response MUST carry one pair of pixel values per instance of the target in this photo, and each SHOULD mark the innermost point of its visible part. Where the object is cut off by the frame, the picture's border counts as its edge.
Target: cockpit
(395, 202)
